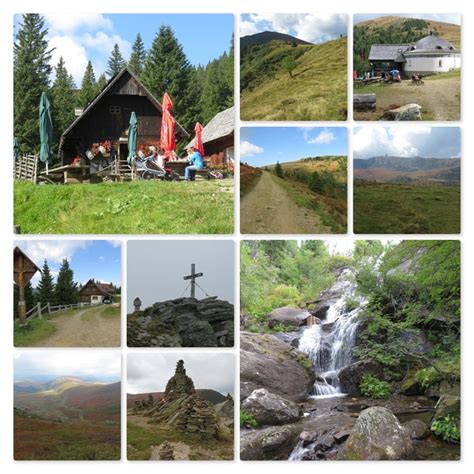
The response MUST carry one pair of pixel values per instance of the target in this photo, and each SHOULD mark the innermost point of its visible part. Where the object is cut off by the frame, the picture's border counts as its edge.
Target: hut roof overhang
(388, 52)
(220, 126)
(102, 288)
(112, 81)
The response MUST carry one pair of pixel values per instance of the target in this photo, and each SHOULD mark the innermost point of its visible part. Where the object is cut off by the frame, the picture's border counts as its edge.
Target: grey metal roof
(388, 52)
(221, 125)
(433, 42)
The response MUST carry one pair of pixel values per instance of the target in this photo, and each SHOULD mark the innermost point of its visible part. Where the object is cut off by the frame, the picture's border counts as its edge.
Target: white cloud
(323, 138)
(90, 365)
(104, 43)
(69, 23)
(249, 149)
(73, 53)
(54, 251)
(315, 28)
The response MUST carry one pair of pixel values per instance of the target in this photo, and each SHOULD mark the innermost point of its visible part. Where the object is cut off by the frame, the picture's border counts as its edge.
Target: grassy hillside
(317, 89)
(139, 207)
(406, 209)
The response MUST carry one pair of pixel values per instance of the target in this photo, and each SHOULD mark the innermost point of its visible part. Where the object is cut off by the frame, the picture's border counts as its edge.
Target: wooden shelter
(23, 271)
(218, 139)
(97, 140)
(94, 292)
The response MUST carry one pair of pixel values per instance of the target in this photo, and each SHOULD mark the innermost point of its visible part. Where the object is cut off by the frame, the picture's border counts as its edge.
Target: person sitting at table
(195, 163)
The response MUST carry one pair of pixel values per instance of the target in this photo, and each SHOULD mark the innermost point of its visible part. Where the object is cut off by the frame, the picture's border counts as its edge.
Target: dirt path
(440, 97)
(85, 328)
(268, 209)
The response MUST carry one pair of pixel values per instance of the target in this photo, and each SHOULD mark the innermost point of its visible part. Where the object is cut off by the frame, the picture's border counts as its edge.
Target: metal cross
(193, 277)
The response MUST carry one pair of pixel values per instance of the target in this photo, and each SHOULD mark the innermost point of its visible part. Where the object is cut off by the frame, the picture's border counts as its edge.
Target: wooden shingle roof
(220, 126)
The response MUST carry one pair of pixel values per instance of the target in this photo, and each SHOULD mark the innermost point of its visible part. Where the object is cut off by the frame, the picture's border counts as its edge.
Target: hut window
(440, 63)
(114, 109)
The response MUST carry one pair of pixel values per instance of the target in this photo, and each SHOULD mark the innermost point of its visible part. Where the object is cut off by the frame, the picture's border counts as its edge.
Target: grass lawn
(405, 209)
(35, 331)
(138, 207)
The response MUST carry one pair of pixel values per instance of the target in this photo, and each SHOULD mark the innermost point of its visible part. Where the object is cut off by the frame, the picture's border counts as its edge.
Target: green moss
(247, 420)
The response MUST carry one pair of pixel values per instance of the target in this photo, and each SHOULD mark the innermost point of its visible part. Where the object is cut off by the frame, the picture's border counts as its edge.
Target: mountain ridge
(265, 37)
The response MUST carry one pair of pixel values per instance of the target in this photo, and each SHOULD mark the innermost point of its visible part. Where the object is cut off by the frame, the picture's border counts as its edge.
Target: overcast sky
(91, 366)
(98, 259)
(156, 269)
(149, 372)
(406, 141)
(454, 18)
(311, 27)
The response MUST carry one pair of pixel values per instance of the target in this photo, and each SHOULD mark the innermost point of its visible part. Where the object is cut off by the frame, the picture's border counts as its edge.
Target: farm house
(218, 139)
(97, 140)
(96, 293)
(429, 55)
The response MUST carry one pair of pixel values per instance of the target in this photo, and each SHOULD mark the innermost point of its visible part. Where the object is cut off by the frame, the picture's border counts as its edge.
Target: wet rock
(377, 435)
(342, 435)
(410, 385)
(270, 409)
(320, 310)
(417, 428)
(444, 387)
(350, 377)
(274, 443)
(447, 405)
(266, 362)
(288, 316)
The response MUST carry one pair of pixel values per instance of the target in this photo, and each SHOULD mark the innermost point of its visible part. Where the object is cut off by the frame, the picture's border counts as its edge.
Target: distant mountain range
(212, 396)
(267, 36)
(396, 169)
(68, 398)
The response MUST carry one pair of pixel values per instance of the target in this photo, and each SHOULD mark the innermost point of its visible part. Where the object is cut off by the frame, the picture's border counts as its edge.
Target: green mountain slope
(315, 90)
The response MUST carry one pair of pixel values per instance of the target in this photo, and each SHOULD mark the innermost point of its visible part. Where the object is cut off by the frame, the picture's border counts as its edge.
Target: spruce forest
(198, 92)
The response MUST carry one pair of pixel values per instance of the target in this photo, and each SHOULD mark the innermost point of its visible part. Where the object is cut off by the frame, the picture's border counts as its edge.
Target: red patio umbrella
(198, 145)
(167, 139)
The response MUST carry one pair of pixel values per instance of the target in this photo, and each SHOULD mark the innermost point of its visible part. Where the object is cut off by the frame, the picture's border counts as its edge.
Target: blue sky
(406, 141)
(91, 366)
(98, 259)
(311, 27)
(82, 37)
(454, 18)
(261, 146)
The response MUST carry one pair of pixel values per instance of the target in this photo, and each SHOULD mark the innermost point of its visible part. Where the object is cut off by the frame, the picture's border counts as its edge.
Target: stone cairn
(166, 451)
(181, 407)
(183, 322)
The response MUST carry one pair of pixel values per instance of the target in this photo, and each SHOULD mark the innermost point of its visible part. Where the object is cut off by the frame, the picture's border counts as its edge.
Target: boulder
(288, 316)
(417, 341)
(266, 362)
(274, 443)
(447, 405)
(417, 428)
(193, 332)
(411, 386)
(270, 409)
(350, 377)
(377, 435)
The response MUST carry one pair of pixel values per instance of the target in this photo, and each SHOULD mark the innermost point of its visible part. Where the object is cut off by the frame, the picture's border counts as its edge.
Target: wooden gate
(26, 168)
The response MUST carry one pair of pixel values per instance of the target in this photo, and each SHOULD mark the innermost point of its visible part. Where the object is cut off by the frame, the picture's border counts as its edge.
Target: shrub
(373, 387)
(427, 376)
(447, 428)
(247, 420)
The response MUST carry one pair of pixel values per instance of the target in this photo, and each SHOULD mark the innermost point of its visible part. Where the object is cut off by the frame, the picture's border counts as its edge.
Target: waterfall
(329, 344)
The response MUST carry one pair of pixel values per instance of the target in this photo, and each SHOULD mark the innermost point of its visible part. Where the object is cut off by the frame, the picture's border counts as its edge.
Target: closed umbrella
(167, 139)
(16, 149)
(198, 145)
(45, 129)
(132, 138)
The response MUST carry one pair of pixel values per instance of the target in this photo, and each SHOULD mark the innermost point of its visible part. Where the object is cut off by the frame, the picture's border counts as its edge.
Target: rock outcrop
(350, 377)
(288, 316)
(377, 435)
(267, 362)
(183, 322)
(270, 409)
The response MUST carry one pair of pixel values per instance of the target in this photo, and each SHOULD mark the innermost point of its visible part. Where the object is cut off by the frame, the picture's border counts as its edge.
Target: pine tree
(116, 62)
(88, 87)
(137, 58)
(31, 72)
(66, 289)
(101, 82)
(279, 170)
(45, 288)
(167, 69)
(62, 102)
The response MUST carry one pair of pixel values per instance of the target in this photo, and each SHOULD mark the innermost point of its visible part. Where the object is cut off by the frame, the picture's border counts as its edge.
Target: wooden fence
(25, 168)
(38, 311)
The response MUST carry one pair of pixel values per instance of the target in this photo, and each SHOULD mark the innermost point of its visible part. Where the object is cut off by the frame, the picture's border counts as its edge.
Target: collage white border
(8, 8)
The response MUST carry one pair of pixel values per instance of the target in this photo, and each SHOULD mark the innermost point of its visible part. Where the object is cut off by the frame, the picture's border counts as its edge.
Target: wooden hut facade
(96, 293)
(98, 138)
(218, 139)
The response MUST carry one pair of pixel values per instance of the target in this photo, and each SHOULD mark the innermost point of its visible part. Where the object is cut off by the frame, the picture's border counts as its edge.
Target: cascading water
(329, 344)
